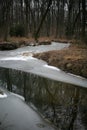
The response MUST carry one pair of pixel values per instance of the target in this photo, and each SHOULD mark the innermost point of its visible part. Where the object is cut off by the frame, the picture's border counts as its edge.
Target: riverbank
(72, 59)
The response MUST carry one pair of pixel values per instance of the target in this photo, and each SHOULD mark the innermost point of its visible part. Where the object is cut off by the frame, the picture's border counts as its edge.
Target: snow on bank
(3, 95)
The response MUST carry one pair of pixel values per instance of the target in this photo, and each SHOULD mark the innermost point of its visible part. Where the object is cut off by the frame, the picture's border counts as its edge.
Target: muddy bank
(72, 59)
(14, 45)
(17, 42)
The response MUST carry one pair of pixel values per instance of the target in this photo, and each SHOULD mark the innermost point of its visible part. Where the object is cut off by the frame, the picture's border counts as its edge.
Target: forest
(35, 18)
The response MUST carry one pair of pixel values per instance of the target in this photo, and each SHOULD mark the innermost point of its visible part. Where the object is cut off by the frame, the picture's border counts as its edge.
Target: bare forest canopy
(58, 18)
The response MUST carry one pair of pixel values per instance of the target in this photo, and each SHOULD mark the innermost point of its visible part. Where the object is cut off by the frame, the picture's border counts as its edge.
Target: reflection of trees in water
(84, 116)
(63, 105)
(75, 106)
(83, 109)
(8, 80)
(59, 102)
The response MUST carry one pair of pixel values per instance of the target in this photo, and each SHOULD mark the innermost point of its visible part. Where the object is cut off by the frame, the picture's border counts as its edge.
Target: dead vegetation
(16, 42)
(72, 59)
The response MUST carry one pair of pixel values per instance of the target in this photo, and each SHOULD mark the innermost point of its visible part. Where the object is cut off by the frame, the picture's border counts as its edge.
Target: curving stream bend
(16, 59)
(60, 97)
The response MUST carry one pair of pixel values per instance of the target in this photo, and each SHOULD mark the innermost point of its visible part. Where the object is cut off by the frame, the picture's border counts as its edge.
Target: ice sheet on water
(52, 67)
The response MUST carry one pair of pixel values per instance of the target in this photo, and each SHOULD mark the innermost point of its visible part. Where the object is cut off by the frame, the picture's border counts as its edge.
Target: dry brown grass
(20, 39)
(41, 39)
(72, 59)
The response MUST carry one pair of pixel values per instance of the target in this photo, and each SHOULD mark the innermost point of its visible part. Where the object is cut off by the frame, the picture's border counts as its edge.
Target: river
(60, 97)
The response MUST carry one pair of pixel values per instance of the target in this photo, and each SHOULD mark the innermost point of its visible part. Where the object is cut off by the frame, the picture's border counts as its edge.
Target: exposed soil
(72, 59)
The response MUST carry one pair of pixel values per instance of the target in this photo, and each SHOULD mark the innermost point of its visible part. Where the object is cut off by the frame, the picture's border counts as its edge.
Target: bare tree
(44, 17)
(42, 20)
(83, 17)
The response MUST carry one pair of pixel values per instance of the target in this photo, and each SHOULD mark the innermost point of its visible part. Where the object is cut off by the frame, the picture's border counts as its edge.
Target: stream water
(60, 97)
(21, 59)
(15, 114)
(65, 105)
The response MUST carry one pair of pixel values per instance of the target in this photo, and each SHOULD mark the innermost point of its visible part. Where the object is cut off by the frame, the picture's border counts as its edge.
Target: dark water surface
(63, 104)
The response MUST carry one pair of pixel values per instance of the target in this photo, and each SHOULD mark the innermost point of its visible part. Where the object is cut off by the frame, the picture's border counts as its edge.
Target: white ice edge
(57, 69)
(3, 95)
(19, 96)
(78, 76)
(23, 58)
(51, 67)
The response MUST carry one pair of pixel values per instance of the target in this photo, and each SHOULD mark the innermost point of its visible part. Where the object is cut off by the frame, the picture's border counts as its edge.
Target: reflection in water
(63, 104)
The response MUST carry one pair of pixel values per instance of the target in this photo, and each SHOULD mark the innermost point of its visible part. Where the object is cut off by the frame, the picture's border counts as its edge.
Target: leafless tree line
(58, 18)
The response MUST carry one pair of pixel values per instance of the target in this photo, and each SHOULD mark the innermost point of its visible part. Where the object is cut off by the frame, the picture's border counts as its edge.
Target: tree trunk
(83, 18)
(42, 20)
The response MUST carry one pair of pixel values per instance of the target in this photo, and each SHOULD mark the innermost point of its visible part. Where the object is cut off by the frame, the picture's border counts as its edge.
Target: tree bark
(83, 18)
(42, 20)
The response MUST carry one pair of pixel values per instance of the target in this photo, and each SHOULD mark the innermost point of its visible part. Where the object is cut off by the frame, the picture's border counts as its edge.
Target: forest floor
(72, 59)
